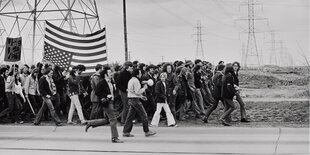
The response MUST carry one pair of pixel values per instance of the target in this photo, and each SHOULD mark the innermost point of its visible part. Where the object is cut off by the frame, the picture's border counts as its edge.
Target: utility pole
(251, 57)
(162, 58)
(125, 30)
(199, 47)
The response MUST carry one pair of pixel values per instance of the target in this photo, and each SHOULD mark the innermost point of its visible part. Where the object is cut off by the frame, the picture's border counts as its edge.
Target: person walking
(161, 98)
(217, 94)
(104, 92)
(48, 91)
(172, 82)
(94, 80)
(74, 88)
(31, 90)
(236, 66)
(228, 93)
(121, 84)
(135, 106)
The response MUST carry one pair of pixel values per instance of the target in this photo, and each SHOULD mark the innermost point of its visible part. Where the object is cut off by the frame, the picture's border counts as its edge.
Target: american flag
(67, 49)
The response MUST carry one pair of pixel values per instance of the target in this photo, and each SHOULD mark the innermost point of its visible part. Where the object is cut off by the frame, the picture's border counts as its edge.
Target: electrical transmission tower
(26, 19)
(251, 57)
(273, 56)
(199, 47)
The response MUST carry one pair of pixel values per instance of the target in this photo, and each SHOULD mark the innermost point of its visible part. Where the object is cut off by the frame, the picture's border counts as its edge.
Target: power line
(204, 15)
(172, 13)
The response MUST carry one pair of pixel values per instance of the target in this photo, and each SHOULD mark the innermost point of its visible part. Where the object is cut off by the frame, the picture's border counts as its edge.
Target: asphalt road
(50, 140)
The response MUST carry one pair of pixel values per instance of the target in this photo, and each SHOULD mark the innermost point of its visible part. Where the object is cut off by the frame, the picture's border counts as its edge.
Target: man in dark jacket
(235, 74)
(3, 99)
(217, 95)
(122, 84)
(228, 93)
(149, 105)
(47, 89)
(104, 93)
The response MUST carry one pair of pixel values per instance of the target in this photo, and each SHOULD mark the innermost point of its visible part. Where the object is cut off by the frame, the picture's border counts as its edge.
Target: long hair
(72, 73)
(236, 62)
(228, 69)
(165, 67)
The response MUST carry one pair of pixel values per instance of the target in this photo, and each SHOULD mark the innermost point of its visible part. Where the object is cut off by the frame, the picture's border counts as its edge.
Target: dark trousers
(96, 110)
(14, 107)
(242, 105)
(125, 105)
(230, 107)
(213, 107)
(112, 119)
(135, 106)
(35, 101)
(171, 102)
(181, 102)
(46, 103)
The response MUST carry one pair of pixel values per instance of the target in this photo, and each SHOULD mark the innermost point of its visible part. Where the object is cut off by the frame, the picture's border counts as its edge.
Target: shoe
(150, 133)
(225, 123)
(205, 120)
(87, 127)
(128, 135)
(59, 124)
(72, 123)
(244, 120)
(173, 125)
(36, 124)
(116, 140)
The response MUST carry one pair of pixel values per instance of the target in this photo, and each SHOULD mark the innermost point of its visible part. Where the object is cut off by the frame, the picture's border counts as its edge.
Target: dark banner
(13, 48)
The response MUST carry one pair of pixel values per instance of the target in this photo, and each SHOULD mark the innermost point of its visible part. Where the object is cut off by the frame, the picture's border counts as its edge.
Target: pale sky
(165, 29)
(159, 28)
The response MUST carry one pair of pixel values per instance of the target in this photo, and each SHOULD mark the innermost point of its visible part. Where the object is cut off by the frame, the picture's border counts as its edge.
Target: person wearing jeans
(236, 67)
(104, 92)
(47, 90)
(228, 93)
(74, 87)
(121, 84)
(135, 106)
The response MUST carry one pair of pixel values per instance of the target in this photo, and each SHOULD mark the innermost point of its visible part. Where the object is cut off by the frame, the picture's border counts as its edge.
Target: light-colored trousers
(75, 104)
(156, 117)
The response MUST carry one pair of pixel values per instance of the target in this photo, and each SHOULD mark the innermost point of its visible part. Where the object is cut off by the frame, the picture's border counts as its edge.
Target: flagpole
(125, 31)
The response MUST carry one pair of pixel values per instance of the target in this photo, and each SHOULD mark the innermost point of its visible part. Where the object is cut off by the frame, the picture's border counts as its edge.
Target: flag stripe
(89, 61)
(102, 37)
(81, 54)
(73, 46)
(74, 50)
(73, 37)
(74, 34)
(68, 49)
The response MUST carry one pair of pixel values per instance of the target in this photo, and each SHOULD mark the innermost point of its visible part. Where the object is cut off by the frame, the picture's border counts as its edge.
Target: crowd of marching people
(132, 92)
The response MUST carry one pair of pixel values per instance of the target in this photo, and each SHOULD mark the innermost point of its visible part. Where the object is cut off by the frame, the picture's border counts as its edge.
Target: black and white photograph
(154, 77)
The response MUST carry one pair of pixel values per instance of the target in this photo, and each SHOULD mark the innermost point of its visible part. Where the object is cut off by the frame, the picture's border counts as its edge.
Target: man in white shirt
(135, 106)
